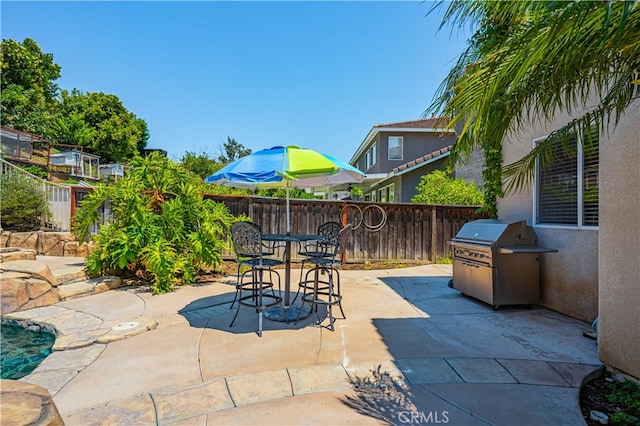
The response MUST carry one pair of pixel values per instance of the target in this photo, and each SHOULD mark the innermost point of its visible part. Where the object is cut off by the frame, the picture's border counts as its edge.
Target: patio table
(290, 312)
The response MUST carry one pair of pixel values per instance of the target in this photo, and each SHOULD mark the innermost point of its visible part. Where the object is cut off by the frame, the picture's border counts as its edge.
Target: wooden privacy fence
(383, 231)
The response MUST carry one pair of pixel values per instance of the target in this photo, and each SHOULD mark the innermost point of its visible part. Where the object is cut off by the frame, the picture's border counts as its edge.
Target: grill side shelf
(525, 249)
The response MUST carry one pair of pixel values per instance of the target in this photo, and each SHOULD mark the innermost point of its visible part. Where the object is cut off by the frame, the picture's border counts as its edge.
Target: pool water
(22, 350)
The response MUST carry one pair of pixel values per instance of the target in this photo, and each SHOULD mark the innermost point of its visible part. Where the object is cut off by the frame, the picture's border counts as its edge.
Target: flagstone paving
(411, 350)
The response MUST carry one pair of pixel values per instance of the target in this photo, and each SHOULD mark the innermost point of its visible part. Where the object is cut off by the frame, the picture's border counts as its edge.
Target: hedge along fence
(394, 232)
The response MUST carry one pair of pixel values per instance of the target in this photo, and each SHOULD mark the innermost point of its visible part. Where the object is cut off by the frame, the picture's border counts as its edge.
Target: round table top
(292, 237)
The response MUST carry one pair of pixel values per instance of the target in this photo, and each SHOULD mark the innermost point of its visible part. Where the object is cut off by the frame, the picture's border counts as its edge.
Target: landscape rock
(27, 240)
(106, 283)
(13, 293)
(53, 243)
(75, 290)
(47, 299)
(24, 403)
(36, 287)
(4, 238)
(8, 254)
(26, 284)
(34, 268)
(599, 417)
(71, 248)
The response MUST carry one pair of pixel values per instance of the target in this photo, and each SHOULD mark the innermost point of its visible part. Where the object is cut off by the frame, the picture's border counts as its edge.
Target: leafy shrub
(37, 171)
(438, 188)
(23, 203)
(161, 225)
(627, 395)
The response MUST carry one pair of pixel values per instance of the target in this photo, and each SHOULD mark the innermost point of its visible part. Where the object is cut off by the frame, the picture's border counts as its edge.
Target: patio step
(70, 275)
(87, 287)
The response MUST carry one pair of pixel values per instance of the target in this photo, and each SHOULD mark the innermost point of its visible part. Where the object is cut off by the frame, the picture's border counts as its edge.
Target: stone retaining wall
(46, 243)
(26, 284)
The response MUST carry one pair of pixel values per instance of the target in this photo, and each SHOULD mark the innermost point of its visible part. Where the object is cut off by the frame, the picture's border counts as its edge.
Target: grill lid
(497, 233)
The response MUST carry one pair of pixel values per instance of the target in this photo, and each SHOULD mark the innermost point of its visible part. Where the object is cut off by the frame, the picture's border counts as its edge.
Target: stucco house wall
(596, 272)
(619, 246)
(470, 169)
(568, 278)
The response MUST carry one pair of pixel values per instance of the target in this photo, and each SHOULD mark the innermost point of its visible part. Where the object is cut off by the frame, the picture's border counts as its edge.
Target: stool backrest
(331, 231)
(343, 240)
(247, 240)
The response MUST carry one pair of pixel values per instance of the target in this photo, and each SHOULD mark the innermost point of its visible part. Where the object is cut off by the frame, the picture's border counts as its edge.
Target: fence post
(434, 235)
(343, 219)
(45, 217)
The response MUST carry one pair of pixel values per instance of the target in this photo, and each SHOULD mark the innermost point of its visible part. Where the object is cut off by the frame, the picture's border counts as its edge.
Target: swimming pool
(22, 350)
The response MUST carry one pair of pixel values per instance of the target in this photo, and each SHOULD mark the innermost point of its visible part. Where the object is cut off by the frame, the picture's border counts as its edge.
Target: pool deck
(411, 351)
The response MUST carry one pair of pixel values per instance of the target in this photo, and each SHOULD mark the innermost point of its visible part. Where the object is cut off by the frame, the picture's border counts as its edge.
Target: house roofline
(413, 165)
(375, 130)
(418, 164)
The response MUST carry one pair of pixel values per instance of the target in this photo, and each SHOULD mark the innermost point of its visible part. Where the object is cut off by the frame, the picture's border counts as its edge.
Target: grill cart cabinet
(498, 262)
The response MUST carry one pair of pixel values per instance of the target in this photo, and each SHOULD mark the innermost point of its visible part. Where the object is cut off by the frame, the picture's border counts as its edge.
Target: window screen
(567, 190)
(395, 147)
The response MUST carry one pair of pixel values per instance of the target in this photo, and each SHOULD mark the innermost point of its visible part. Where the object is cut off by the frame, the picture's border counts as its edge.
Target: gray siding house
(396, 155)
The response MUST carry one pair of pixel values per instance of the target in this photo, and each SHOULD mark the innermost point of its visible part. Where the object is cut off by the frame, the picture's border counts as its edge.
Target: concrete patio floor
(411, 351)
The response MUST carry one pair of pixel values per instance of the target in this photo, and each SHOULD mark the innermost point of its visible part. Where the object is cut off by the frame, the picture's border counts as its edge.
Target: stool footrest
(322, 298)
(252, 301)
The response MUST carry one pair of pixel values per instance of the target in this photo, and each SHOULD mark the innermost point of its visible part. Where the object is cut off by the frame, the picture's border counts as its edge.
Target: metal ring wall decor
(356, 223)
(361, 214)
(379, 226)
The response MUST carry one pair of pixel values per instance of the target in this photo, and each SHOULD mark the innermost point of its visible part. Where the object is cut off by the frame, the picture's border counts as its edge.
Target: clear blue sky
(313, 74)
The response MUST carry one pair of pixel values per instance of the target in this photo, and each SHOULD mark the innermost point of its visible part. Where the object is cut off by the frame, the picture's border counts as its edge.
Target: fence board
(408, 234)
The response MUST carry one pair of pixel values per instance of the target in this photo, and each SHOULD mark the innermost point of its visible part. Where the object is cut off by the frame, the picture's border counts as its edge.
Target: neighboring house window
(370, 157)
(395, 147)
(567, 190)
(387, 194)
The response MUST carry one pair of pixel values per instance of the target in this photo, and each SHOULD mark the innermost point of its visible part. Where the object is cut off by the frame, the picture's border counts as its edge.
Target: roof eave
(375, 130)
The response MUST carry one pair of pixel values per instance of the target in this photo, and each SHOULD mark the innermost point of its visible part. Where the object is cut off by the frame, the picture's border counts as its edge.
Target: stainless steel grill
(498, 262)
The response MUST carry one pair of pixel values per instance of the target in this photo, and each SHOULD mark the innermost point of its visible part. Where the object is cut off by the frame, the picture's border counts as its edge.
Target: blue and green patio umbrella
(282, 167)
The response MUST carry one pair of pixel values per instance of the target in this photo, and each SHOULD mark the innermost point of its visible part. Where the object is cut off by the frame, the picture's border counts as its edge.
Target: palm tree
(529, 59)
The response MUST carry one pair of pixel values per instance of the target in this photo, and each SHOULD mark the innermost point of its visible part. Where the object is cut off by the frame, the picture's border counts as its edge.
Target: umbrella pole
(288, 218)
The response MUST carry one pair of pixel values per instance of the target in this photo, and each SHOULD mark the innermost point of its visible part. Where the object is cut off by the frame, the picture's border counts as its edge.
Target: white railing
(58, 197)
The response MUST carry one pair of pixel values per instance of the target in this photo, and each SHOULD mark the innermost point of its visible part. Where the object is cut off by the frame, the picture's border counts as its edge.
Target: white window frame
(579, 189)
(372, 154)
(401, 139)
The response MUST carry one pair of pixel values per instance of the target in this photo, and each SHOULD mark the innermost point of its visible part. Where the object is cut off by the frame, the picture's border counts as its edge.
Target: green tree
(357, 192)
(161, 226)
(101, 123)
(23, 204)
(30, 100)
(438, 188)
(231, 151)
(528, 60)
(72, 129)
(200, 164)
(28, 91)
(282, 193)
(24, 64)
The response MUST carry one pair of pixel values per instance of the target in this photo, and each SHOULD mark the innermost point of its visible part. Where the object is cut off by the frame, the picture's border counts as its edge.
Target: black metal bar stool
(247, 243)
(319, 291)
